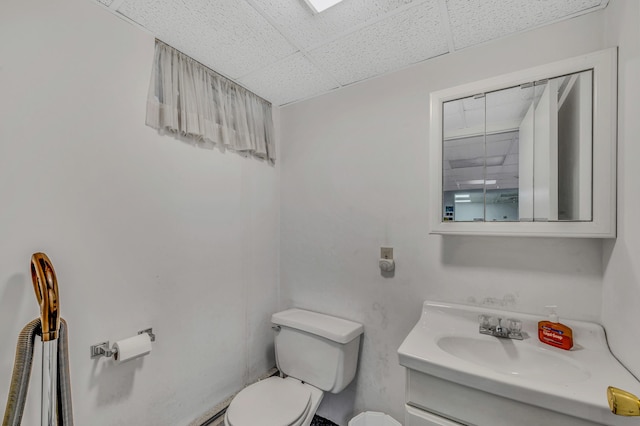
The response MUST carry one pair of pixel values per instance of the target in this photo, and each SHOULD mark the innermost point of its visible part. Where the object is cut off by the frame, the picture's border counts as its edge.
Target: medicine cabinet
(531, 153)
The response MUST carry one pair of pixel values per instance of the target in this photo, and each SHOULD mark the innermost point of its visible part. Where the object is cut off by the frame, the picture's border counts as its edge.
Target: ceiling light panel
(403, 39)
(476, 21)
(289, 80)
(308, 30)
(480, 182)
(228, 36)
(497, 160)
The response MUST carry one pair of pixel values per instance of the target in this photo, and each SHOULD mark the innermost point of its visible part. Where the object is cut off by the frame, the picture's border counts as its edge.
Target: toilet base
(321, 421)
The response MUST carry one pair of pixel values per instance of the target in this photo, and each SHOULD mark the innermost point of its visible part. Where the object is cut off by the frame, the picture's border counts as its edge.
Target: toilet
(315, 353)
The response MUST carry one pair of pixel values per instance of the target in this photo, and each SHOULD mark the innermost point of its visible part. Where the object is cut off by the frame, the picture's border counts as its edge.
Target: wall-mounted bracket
(102, 349)
(149, 331)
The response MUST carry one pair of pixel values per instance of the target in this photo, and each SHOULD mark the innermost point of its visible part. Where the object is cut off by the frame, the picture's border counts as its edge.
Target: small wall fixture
(386, 262)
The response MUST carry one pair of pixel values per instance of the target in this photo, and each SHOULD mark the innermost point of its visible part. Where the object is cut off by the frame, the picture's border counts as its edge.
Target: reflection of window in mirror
(522, 153)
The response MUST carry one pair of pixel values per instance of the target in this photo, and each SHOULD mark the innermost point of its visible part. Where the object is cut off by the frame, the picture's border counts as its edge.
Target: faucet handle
(483, 320)
(514, 325)
(493, 321)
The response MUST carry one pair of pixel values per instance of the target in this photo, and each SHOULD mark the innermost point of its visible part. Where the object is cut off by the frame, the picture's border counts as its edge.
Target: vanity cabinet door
(415, 417)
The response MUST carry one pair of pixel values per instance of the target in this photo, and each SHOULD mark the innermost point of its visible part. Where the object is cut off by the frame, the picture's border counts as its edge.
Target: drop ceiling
(284, 52)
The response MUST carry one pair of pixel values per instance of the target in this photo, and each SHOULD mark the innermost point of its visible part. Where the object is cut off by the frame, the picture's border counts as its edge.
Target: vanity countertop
(445, 343)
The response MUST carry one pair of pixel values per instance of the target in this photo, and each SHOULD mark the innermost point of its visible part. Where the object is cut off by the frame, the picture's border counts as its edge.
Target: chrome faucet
(492, 326)
(499, 326)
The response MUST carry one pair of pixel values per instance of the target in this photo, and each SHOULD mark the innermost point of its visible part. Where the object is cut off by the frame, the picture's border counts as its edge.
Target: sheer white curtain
(191, 100)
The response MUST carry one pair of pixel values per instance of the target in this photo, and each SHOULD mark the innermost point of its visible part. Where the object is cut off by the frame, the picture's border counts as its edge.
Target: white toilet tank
(318, 349)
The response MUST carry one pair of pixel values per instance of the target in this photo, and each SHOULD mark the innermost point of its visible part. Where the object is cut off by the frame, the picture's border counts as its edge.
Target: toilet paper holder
(103, 348)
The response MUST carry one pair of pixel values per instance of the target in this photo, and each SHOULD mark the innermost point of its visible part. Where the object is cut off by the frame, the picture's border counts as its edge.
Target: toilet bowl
(317, 353)
(274, 402)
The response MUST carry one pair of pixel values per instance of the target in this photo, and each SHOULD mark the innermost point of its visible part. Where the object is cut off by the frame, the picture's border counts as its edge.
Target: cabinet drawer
(470, 406)
(415, 417)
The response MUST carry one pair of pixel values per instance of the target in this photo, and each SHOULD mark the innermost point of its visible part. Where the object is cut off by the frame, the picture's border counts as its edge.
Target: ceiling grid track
(301, 50)
(116, 5)
(113, 8)
(444, 17)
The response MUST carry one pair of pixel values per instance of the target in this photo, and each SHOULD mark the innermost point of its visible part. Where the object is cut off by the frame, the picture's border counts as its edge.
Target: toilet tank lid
(337, 329)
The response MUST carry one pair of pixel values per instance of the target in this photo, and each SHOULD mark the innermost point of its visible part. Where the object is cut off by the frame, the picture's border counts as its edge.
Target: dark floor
(319, 421)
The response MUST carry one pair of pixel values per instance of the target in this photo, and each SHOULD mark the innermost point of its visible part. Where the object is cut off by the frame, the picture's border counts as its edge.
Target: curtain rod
(213, 71)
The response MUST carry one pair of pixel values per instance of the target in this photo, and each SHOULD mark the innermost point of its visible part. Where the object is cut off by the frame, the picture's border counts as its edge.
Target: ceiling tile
(476, 21)
(309, 30)
(229, 36)
(284, 52)
(289, 80)
(405, 38)
(453, 122)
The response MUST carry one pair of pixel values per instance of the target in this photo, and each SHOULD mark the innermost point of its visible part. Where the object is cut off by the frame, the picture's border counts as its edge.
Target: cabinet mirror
(529, 153)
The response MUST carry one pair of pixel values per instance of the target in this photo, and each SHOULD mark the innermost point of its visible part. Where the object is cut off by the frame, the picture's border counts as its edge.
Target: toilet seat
(270, 402)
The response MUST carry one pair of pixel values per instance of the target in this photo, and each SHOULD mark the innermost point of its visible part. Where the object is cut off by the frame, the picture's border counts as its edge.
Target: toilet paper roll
(132, 348)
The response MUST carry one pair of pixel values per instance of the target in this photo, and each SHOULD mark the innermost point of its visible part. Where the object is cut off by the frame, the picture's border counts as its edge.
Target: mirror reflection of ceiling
(283, 52)
(463, 167)
(504, 111)
(498, 115)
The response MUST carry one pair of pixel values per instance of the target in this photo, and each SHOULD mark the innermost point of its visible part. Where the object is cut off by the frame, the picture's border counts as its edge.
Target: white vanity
(457, 376)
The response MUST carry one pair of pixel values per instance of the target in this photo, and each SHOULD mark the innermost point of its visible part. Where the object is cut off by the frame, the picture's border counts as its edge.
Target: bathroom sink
(449, 361)
(506, 356)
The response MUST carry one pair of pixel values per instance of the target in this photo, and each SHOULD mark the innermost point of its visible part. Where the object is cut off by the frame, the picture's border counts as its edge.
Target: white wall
(621, 288)
(146, 231)
(354, 170)
(143, 230)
